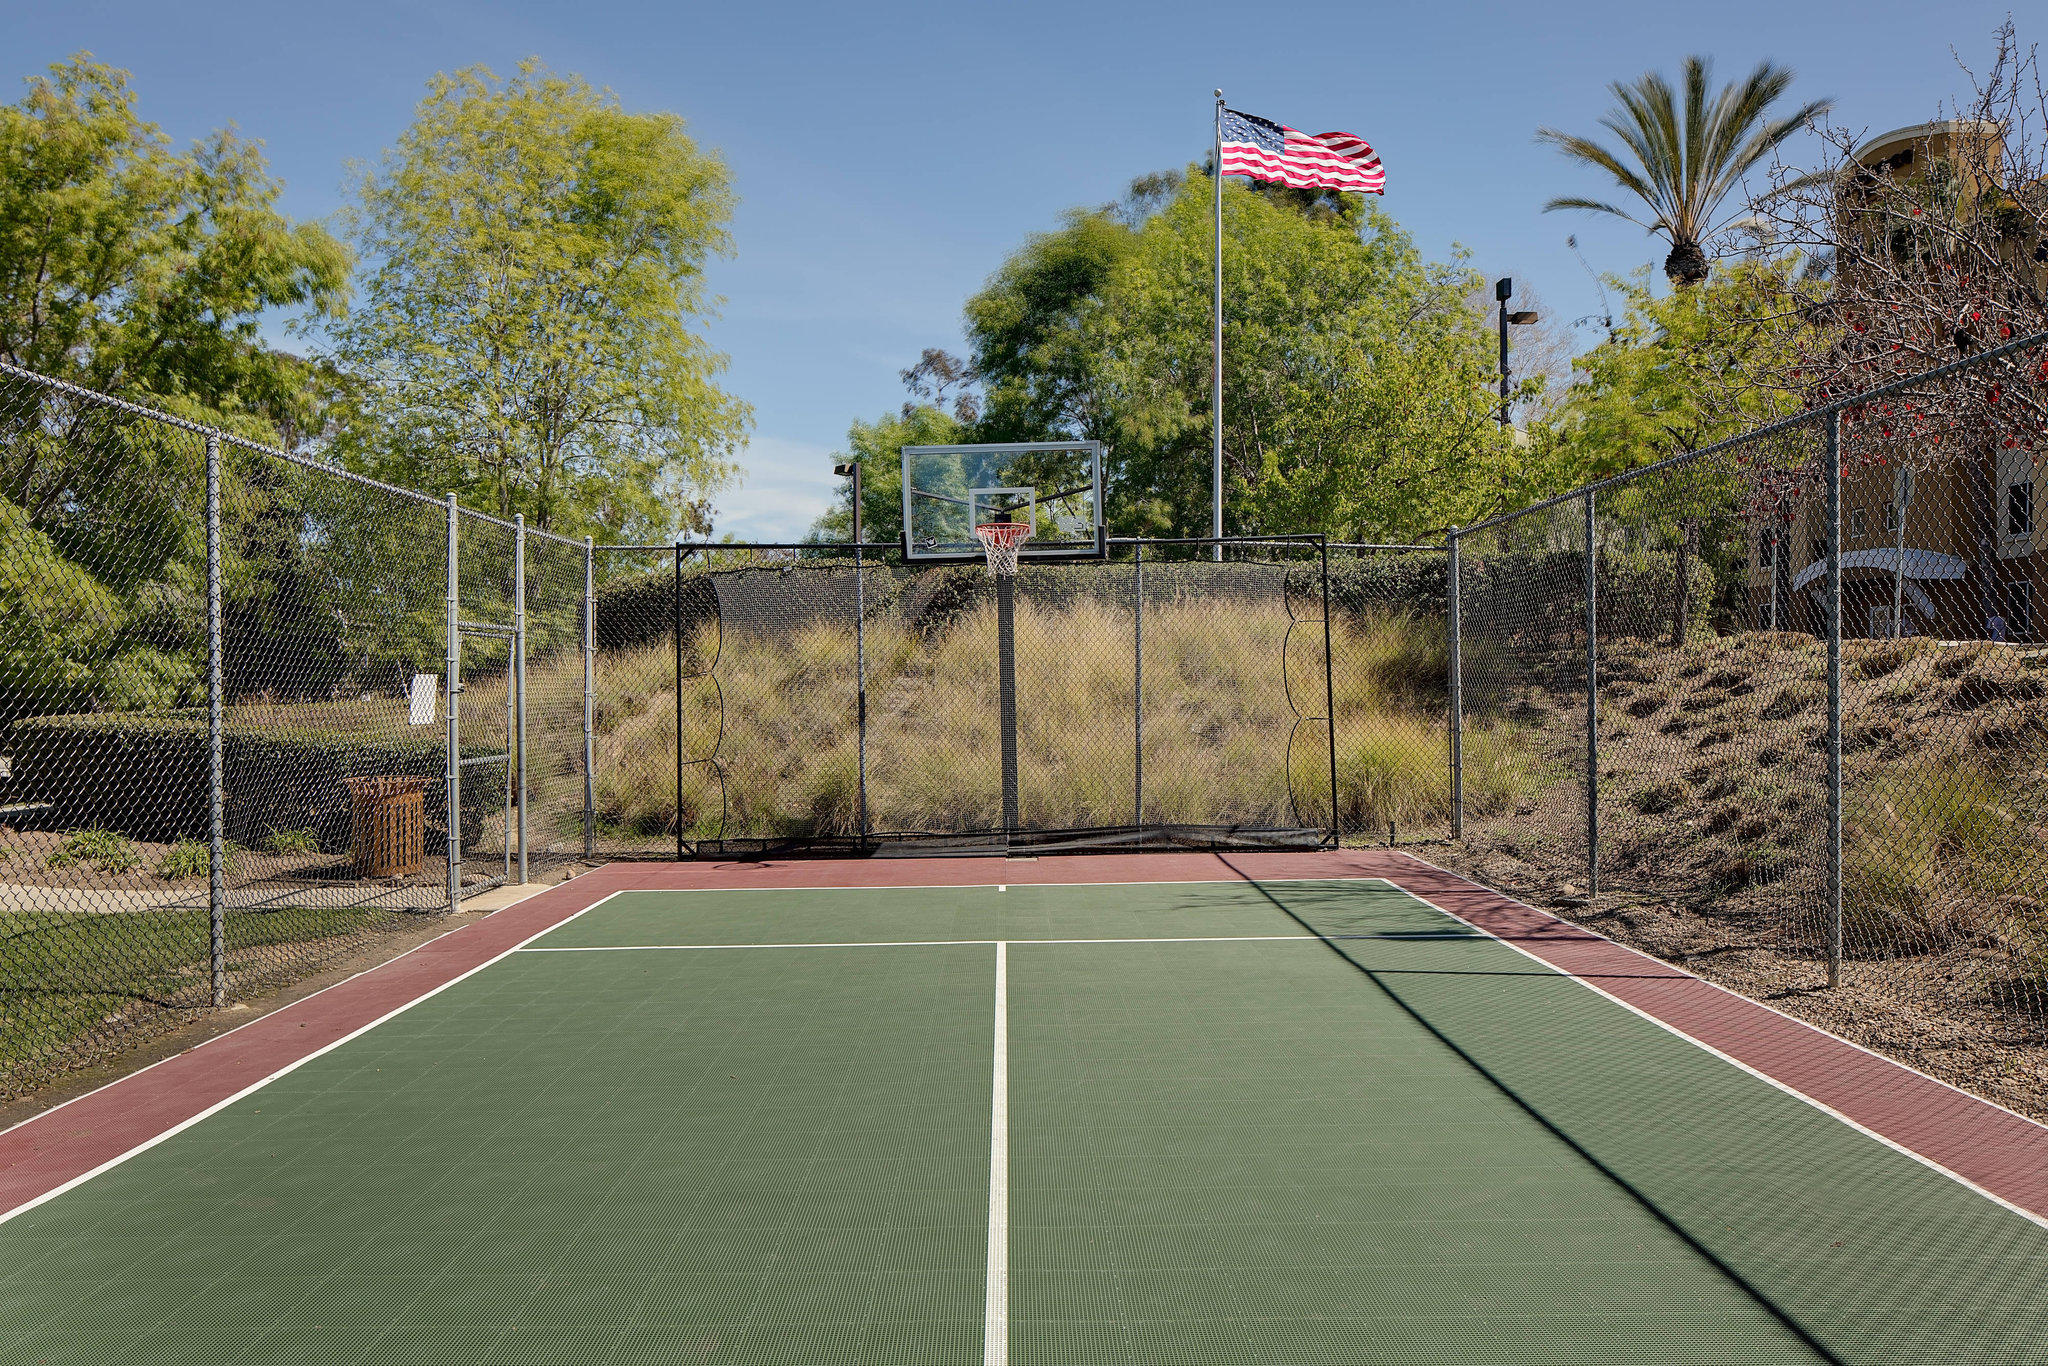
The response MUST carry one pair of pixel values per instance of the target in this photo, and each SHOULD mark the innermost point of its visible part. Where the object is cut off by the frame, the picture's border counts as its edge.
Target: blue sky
(888, 156)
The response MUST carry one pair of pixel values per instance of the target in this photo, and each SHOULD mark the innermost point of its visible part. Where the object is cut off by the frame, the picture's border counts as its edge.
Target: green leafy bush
(105, 850)
(191, 858)
(291, 842)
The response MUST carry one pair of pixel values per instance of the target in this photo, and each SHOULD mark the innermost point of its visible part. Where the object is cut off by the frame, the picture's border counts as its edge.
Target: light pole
(1503, 290)
(851, 469)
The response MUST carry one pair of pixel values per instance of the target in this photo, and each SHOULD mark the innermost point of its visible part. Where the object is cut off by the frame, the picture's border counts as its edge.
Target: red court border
(2002, 1152)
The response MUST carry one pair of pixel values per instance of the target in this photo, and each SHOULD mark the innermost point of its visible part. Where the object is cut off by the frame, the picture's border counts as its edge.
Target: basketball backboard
(1056, 486)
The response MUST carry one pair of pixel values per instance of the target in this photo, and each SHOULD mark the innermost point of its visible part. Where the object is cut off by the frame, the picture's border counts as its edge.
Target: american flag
(1266, 150)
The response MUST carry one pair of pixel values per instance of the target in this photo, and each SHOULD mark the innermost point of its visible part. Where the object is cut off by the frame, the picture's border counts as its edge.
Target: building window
(1891, 517)
(1856, 531)
(2019, 606)
(2019, 508)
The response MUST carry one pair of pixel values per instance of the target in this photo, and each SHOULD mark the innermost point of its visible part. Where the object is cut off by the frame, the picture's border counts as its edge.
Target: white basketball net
(1002, 541)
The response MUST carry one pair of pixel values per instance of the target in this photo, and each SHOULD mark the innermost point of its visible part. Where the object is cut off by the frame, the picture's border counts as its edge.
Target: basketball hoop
(1002, 541)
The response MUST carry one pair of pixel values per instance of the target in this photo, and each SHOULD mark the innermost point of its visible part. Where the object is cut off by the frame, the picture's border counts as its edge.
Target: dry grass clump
(1647, 702)
(1875, 659)
(1792, 699)
(1657, 798)
(1934, 854)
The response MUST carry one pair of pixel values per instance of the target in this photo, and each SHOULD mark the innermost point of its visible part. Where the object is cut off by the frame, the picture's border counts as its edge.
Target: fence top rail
(1769, 429)
(1430, 546)
(1315, 538)
(227, 438)
(695, 547)
(532, 531)
(884, 547)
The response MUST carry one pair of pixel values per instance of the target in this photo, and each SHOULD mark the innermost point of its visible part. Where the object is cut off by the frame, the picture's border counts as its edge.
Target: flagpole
(1216, 355)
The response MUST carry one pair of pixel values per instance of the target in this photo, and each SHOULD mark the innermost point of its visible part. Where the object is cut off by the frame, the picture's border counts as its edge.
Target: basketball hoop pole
(1006, 679)
(1002, 541)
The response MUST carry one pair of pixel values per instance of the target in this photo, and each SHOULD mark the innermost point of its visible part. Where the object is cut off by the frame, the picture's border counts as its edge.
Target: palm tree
(1683, 168)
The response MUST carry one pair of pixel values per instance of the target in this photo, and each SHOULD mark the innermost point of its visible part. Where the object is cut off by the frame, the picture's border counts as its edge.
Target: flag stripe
(1265, 150)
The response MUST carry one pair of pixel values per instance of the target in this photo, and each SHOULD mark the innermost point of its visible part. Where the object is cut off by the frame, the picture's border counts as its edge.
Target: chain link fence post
(589, 679)
(1592, 705)
(453, 689)
(1138, 686)
(860, 684)
(1457, 694)
(216, 779)
(675, 609)
(1330, 698)
(519, 673)
(1833, 456)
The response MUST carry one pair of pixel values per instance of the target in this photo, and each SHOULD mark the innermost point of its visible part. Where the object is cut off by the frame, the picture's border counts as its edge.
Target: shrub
(291, 842)
(105, 850)
(193, 858)
(1928, 847)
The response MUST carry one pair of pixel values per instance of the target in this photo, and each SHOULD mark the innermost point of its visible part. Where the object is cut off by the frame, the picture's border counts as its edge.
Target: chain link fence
(227, 736)
(1778, 710)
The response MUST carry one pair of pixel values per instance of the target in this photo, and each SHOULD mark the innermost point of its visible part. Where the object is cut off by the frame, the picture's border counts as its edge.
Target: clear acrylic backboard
(1055, 486)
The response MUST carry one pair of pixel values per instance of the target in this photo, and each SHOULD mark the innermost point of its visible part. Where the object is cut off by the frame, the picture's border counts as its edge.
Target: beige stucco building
(1966, 560)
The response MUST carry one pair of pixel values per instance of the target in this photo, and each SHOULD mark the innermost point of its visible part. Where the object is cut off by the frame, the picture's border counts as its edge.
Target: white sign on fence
(426, 692)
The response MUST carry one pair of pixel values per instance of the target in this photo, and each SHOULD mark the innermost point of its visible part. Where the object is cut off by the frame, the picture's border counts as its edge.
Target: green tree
(877, 447)
(1681, 371)
(529, 330)
(1035, 358)
(1684, 164)
(1356, 375)
(131, 268)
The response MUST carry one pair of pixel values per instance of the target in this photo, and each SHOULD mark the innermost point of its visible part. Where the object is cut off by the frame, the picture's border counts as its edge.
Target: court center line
(1730, 1059)
(290, 1067)
(995, 1331)
(932, 943)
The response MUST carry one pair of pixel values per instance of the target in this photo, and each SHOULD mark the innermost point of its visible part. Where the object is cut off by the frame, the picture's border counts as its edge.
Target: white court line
(1732, 1061)
(938, 943)
(289, 1067)
(986, 886)
(1885, 1058)
(995, 1322)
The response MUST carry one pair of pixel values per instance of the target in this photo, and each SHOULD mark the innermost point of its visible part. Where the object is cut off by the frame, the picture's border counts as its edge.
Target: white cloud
(786, 486)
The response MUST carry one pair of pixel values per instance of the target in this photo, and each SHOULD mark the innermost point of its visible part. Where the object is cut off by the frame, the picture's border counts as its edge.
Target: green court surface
(1295, 1122)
